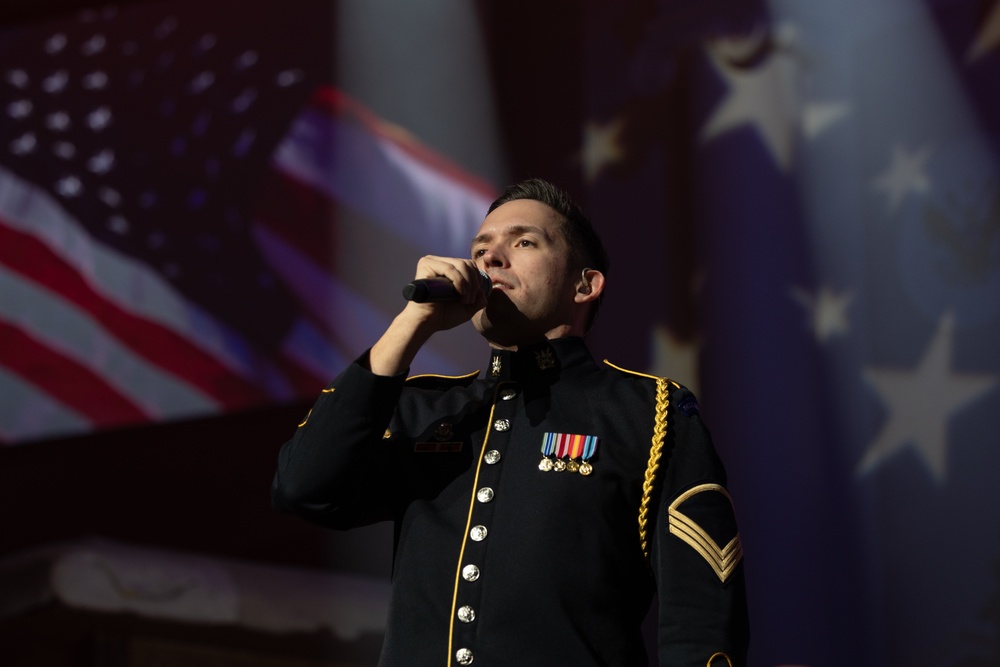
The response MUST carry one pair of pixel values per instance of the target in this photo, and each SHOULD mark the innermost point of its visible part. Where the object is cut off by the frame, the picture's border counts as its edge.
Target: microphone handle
(430, 290)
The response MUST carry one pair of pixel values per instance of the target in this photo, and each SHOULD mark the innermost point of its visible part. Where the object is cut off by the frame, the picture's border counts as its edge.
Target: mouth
(497, 282)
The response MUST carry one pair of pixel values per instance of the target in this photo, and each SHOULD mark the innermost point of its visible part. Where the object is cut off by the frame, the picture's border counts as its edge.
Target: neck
(561, 331)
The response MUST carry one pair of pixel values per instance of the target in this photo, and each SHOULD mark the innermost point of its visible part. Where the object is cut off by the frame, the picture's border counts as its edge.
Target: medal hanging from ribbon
(564, 451)
(548, 450)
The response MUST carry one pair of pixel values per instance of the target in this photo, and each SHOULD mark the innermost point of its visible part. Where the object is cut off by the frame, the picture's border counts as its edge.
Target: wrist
(395, 350)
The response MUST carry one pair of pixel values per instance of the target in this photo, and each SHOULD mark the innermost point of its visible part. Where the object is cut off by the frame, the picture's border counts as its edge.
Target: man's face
(521, 246)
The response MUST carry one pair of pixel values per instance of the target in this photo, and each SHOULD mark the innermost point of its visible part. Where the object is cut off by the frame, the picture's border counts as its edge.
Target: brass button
(502, 425)
(478, 533)
(484, 495)
(466, 614)
(508, 394)
(470, 572)
(492, 457)
(464, 656)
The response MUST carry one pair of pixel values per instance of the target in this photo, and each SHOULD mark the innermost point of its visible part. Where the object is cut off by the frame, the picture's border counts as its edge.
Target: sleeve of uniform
(696, 554)
(336, 469)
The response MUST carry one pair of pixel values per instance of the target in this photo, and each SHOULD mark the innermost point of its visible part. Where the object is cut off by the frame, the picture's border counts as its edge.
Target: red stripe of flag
(166, 349)
(99, 402)
(305, 219)
(336, 103)
(304, 381)
(299, 214)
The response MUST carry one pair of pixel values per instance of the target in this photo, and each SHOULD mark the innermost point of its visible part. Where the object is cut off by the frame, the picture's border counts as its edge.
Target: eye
(525, 243)
(478, 253)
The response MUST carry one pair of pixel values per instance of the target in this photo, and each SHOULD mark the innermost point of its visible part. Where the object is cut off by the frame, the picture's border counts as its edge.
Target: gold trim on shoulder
(643, 375)
(443, 377)
(719, 654)
(309, 414)
(655, 452)
(722, 559)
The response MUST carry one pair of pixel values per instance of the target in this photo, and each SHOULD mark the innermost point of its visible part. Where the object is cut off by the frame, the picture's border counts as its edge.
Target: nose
(493, 257)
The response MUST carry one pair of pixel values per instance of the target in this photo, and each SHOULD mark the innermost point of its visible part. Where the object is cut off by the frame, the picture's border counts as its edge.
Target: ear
(589, 287)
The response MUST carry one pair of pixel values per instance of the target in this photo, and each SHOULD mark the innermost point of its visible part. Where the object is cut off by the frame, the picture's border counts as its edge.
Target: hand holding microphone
(433, 304)
(431, 290)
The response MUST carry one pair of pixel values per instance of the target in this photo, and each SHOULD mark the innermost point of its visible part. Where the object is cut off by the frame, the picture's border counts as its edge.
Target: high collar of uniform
(537, 360)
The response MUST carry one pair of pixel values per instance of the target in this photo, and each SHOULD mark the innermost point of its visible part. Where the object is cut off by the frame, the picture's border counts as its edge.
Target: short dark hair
(585, 245)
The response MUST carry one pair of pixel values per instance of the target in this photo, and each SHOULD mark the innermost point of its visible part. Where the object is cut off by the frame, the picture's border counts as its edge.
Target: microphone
(439, 289)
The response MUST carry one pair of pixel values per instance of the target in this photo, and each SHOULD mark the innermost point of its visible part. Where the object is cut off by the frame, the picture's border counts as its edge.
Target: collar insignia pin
(544, 359)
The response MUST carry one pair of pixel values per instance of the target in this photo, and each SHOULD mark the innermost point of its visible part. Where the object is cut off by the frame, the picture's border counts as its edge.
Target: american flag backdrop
(192, 215)
(820, 185)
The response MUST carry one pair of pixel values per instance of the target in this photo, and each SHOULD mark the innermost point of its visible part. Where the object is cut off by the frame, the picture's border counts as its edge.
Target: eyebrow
(512, 230)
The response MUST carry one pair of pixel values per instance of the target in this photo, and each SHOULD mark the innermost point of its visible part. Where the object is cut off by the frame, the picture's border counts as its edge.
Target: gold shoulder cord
(655, 452)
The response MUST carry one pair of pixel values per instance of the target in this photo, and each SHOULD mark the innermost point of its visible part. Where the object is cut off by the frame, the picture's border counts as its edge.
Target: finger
(462, 273)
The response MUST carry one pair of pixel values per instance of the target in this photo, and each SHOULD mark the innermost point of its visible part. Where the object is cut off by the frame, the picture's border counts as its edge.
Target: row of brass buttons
(478, 533)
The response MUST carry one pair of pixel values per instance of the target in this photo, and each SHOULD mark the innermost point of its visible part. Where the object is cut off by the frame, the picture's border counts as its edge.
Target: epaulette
(688, 405)
(440, 382)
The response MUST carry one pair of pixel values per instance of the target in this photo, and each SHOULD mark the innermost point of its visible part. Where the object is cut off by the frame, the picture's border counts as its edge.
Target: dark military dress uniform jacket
(537, 510)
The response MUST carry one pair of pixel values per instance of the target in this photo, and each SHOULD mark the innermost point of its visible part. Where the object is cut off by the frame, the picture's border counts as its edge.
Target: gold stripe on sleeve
(722, 559)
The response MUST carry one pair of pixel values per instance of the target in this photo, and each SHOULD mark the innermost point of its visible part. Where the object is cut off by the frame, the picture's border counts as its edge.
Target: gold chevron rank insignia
(722, 559)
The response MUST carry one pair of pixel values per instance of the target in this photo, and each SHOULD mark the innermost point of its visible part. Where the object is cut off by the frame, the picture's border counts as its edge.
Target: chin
(484, 324)
(496, 335)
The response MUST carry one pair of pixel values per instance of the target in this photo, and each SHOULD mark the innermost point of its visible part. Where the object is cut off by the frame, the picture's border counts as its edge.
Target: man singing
(539, 508)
